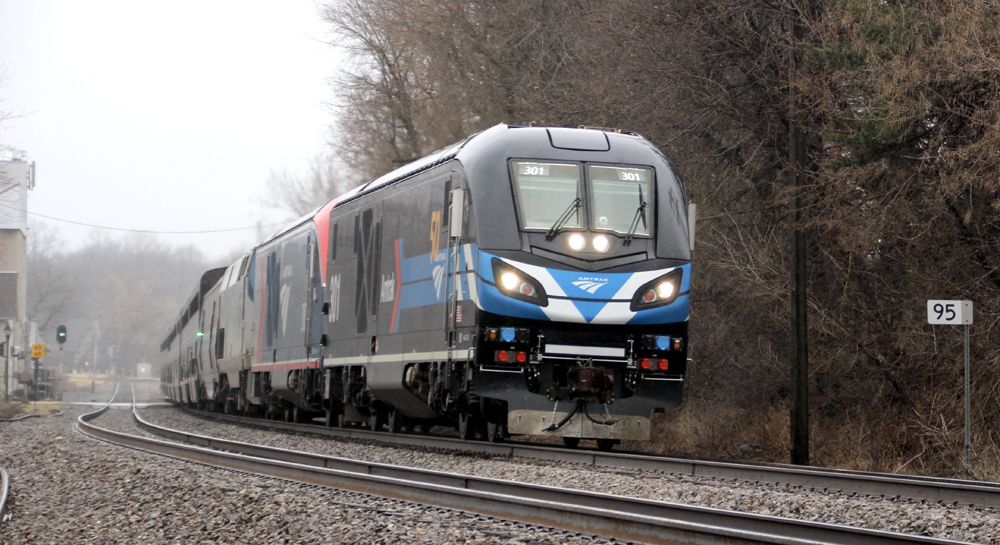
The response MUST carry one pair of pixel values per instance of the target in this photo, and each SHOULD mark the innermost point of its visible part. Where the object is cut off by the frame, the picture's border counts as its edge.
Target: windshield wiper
(572, 209)
(640, 212)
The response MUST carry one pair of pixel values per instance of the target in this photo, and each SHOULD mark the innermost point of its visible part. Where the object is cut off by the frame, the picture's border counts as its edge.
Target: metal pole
(34, 379)
(968, 442)
(6, 364)
(799, 337)
(93, 369)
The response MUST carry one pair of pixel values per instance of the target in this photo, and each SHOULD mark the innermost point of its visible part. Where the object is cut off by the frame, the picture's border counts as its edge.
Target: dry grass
(703, 430)
(81, 383)
(10, 410)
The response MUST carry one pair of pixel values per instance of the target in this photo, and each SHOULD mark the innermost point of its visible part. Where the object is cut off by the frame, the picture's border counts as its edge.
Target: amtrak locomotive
(525, 281)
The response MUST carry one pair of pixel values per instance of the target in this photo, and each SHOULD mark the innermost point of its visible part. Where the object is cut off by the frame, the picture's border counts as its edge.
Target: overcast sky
(164, 116)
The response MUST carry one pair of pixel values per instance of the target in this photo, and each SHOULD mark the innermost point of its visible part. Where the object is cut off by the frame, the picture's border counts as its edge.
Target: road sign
(38, 351)
(949, 312)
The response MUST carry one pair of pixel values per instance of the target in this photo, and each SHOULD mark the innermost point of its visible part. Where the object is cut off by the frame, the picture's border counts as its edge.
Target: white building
(16, 179)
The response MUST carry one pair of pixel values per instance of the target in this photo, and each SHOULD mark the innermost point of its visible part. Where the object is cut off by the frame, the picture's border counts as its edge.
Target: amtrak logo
(590, 285)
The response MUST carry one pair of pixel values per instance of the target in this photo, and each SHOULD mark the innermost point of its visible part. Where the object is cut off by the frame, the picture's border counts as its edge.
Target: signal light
(61, 334)
(662, 365)
(199, 334)
(521, 357)
(644, 364)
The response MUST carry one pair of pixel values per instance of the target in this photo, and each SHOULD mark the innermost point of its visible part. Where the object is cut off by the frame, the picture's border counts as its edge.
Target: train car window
(271, 300)
(447, 201)
(548, 194)
(220, 344)
(622, 199)
(333, 242)
(251, 269)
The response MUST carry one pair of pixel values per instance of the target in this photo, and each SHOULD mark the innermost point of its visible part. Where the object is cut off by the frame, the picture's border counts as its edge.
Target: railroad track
(931, 489)
(4, 489)
(623, 518)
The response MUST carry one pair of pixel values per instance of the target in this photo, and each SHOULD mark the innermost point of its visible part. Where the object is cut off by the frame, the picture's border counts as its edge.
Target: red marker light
(644, 363)
(527, 289)
(502, 356)
(649, 296)
(521, 357)
(662, 365)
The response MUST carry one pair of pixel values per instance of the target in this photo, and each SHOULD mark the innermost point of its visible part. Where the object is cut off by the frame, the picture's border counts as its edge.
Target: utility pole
(97, 338)
(6, 363)
(799, 278)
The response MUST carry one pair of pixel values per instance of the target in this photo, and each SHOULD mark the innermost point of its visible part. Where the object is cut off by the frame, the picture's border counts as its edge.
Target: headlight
(660, 292)
(518, 285)
(577, 242)
(601, 243)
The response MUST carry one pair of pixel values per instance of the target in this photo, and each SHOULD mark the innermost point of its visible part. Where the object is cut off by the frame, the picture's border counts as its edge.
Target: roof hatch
(578, 139)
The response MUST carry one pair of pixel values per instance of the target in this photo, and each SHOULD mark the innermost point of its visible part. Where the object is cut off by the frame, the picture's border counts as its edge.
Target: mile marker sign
(956, 313)
(949, 312)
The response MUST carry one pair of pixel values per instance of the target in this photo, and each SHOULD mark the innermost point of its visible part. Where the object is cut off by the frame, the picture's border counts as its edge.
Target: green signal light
(62, 334)
(199, 334)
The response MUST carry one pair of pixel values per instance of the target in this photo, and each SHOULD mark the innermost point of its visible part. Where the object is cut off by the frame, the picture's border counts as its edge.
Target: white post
(968, 442)
(945, 312)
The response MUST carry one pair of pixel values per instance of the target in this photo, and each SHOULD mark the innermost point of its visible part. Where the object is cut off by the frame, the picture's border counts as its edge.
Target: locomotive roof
(507, 141)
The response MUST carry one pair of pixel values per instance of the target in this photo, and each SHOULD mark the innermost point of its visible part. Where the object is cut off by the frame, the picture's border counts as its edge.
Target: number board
(949, 312)
(38, 351)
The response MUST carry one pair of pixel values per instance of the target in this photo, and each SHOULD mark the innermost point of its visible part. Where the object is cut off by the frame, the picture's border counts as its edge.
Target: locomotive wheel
(376, 420)
(395, 421)
(606, 445)
(288, 415)
(494, 432)
(341, 420)
(466, 426)
(573, 442)
(297, 415)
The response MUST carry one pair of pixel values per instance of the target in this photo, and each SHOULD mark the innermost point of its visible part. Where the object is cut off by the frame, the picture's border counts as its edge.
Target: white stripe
(471, 277)
(406, 357)
(558, 310)
(620, 313)
(574, 350)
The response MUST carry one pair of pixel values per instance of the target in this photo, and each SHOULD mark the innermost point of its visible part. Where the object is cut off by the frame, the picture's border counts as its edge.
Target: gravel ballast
(68, 488)
(960, 523)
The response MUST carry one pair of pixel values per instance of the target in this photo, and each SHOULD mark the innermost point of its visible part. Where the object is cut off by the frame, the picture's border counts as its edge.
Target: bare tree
(299, 194)
(50, 289)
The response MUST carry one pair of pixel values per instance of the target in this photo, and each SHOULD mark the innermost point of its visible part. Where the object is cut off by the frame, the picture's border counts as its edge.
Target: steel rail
(635, 519)
(932, 489)
(4, 490)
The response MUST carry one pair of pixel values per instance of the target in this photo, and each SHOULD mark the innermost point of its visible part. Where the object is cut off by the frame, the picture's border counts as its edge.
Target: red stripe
(395, 304)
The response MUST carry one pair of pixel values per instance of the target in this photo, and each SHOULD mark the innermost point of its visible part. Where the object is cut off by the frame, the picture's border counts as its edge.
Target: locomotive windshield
(546, 192)
(622, 199)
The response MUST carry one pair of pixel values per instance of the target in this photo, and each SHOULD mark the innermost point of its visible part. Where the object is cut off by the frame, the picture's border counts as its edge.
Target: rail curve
(625, 518)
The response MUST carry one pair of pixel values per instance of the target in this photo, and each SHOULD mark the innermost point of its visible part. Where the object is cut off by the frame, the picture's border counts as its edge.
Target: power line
(206, 231)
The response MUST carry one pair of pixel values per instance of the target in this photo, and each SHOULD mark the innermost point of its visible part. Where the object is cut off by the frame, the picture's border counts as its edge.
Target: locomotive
(524, 281)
